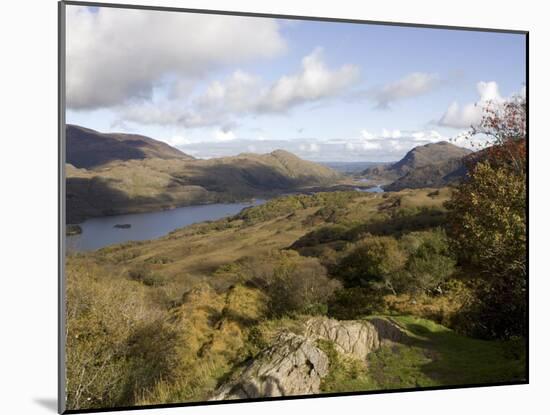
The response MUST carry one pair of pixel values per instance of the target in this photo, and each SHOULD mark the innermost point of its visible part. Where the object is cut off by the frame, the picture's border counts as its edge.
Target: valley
(202, 280)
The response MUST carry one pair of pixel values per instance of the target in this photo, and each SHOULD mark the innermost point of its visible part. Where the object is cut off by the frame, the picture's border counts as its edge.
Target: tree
(487, 224)
(430, 262)
(504, 127)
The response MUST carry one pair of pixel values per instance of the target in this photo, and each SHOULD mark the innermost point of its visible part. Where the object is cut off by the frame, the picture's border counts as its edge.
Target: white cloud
(177, 140)
(396, 145)
(310, 147)
(431, 136)
(242, 93)
(412, 85)
(369, 145)
(367, 136)
(373, 147)
(220, 135)
(349, 146)
(388, 144)
(114, 55)
(471, 114)
(391, 134)
(313, 82)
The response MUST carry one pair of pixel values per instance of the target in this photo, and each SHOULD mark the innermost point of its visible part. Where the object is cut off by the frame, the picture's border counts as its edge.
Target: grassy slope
(434, 356)
(214, 322)
(153, 184)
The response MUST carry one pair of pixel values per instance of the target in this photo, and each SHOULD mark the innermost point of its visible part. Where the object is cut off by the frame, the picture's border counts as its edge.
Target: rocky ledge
(295, 365)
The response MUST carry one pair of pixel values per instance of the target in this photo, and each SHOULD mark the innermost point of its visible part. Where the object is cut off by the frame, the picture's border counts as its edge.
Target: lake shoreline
(98, 232)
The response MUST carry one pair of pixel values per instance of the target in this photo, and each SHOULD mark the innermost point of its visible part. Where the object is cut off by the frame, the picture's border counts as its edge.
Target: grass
(432, 356)
(196, 285)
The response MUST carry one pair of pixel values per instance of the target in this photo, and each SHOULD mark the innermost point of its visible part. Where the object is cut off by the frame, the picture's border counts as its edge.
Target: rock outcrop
(354, 338)
(295, 365)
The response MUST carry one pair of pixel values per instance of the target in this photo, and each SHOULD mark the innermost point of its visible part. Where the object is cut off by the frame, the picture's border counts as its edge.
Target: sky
(214, 85)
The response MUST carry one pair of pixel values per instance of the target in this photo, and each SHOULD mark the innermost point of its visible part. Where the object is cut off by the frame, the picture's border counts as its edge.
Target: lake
(375, 189)
(100, 232)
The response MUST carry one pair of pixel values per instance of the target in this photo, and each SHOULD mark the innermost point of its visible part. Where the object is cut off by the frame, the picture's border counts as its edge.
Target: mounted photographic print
(258, 207)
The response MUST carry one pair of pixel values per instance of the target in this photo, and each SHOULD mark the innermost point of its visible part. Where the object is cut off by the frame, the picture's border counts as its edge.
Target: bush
(355, 302)
(118, 343)
(146, 276)
(493, 312)
(300, 286)
(429, 265)
(372, 263)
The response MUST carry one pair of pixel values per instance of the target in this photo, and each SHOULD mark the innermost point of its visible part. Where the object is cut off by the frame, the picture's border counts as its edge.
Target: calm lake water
(375, 189)
(100, 232)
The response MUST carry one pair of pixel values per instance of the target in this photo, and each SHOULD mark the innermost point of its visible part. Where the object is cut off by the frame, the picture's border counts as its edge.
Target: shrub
(353, 303)
(300, 287)
(430, 262)
(117, 343)
(372, 263)
(146, 276)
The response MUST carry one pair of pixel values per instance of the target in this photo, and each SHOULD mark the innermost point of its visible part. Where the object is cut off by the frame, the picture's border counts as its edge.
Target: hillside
(154, 184)
(432, 175)
(87, 148)
(425, 166)
(228, 310)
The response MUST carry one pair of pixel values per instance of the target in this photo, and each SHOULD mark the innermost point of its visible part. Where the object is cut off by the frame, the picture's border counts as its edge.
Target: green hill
(153, 184)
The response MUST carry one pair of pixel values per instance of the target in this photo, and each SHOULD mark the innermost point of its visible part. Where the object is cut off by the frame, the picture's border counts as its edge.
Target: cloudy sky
(221, 85)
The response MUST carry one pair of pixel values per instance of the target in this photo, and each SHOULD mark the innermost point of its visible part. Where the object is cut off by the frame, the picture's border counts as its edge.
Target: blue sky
(221, 85)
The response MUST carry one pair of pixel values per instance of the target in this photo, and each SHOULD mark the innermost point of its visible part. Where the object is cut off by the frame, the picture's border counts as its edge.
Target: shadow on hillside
(458, 360)
(244, 177)
(87, 149)
(97, 197)
(397, 226)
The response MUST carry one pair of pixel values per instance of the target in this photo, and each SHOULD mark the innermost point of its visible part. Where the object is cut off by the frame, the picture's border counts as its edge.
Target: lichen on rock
(293, 365)
(355, 338)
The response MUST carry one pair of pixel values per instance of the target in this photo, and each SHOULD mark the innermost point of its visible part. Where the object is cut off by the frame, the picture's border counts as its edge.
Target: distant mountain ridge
(87, 148)
(431, 175)
(148, 183)
(430, 165)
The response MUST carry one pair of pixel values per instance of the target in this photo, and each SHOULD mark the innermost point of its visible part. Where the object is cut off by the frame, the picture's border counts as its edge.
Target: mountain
(432, 175)
(149, 184)
(88, 148)
(430, 165)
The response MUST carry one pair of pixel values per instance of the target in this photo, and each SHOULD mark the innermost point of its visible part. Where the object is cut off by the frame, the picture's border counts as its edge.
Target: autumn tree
(487, 223)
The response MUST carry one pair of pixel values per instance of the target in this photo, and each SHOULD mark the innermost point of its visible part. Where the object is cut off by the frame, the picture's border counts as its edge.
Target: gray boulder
(293, 365)
(354, 337)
